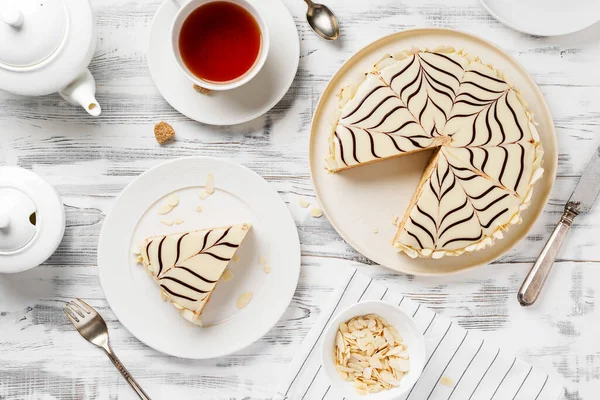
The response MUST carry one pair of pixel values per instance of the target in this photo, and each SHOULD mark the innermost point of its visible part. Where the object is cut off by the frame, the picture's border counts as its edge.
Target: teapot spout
(82, 91)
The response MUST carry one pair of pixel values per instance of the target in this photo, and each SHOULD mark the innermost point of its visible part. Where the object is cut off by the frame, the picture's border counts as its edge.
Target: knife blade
(584, 196)
(582, 199)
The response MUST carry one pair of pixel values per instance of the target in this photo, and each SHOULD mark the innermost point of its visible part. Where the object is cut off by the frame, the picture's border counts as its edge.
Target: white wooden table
(90, 160)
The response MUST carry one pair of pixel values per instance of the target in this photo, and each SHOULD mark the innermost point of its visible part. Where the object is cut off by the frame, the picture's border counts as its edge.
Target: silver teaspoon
(322, 20)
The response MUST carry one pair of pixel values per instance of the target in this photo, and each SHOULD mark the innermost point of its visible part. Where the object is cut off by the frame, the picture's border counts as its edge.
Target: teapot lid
(32, 220)
(32, 31)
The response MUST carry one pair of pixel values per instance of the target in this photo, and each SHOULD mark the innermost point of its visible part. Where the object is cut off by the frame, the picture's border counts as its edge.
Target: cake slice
(187, 266)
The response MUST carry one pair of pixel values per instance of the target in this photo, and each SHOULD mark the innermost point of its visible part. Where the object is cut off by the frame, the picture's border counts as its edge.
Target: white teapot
(46, 47)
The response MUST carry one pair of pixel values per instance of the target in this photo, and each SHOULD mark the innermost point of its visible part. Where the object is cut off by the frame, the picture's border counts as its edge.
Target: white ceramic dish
(544, 17)
(186, 8)
(234, 106)
(406, 327)
(359, 200)
(23, 193)
(240, 196)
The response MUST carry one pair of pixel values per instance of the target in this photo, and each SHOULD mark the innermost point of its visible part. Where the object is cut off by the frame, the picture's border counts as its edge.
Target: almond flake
(164, 209)
(316, 212)
(244, 300)
(302, 202)
(179, 221)
(267, 269)
(198, 208)
(370, 353)
(227, 275)
(204, 195)
(235, 258)
(446, 381)
(173, 200)
(210, 184)
(167, 222)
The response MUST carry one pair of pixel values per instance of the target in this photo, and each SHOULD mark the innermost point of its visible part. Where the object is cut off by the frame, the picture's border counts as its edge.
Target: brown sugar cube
(163, 132)
(202, 90)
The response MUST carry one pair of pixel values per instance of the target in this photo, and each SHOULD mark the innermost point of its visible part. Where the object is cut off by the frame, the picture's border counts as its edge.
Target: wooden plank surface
(90, 160)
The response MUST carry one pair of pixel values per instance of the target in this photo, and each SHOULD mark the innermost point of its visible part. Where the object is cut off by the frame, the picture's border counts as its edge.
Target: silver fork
(93, 329)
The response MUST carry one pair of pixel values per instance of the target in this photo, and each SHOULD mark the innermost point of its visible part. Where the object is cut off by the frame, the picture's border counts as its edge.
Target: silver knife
(582, 199)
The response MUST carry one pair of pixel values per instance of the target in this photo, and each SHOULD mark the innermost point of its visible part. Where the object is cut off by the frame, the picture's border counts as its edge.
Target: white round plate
(240, 196)
(544, 17)
(359, 200)
(234, 106)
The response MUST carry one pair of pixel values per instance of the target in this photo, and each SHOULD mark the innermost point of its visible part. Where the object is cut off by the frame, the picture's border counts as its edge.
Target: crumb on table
(163, 132)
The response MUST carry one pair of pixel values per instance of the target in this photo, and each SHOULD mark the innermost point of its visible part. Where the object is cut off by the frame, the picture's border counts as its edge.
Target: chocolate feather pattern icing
(187, 266)
(487, 151)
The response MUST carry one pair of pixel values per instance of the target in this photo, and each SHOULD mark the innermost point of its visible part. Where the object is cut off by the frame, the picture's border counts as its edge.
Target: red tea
(220, 41)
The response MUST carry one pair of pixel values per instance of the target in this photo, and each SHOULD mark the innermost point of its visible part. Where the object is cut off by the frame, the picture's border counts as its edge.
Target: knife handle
(532, 286)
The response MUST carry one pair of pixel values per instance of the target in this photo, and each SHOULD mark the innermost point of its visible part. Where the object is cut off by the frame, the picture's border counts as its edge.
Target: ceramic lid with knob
(32, 220)
(45, 44)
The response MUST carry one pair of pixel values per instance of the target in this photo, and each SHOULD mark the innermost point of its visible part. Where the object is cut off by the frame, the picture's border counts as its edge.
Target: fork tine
(79, 308)
(74, 312)
(74, 321)
(87, 306)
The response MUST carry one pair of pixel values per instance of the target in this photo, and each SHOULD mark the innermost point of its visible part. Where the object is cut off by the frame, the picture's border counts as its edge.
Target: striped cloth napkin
(477, 370)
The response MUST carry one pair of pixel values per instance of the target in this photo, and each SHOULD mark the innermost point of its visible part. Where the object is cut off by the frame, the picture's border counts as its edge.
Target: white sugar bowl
(32, 220)
(46, 47)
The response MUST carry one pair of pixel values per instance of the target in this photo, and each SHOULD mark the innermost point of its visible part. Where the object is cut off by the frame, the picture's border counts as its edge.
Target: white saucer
(240, 196)
(545, 17)
(234, 106)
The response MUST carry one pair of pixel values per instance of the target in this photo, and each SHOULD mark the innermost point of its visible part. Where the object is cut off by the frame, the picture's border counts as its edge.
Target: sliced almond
(179, 221)
(235, 258)
(210, 184)
(204, 195)
(446, 381)
(244, 300)
(167, 222)
(368, 352)
(316, 212)
(227, 275)
(173, 200)
(267, 269)
(164, 209)
(198, 209)
(302, 202)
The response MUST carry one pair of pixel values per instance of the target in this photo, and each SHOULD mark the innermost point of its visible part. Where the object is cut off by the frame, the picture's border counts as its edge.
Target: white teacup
(186, 7)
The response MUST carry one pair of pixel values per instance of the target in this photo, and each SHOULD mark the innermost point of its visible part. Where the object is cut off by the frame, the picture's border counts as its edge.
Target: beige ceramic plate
(361, 200)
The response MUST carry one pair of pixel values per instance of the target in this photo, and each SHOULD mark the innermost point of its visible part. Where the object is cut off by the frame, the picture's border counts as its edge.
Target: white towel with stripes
(478, 369)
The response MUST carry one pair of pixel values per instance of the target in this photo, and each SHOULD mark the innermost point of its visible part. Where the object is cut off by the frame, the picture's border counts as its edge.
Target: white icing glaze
(187, 266)
(488, 150)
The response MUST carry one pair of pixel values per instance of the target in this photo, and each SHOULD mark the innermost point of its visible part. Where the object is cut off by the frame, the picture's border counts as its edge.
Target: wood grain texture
(90, 160)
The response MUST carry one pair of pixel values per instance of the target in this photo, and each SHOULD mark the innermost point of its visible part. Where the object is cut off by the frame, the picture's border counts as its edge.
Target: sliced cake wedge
(187, 266)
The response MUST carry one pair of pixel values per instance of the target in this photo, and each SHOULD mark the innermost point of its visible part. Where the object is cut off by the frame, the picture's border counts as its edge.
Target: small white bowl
(406, 327)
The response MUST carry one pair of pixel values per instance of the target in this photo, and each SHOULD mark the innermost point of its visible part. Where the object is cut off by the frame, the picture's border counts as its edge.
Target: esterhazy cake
(486, 152)
(187, 266)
